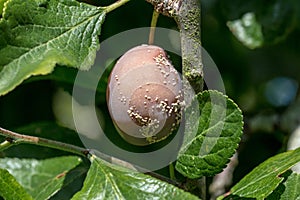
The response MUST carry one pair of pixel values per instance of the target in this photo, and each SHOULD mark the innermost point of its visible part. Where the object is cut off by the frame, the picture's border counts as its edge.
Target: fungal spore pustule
(144, 95)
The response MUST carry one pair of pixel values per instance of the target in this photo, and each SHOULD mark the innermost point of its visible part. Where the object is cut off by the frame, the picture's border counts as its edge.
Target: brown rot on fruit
(144, 95)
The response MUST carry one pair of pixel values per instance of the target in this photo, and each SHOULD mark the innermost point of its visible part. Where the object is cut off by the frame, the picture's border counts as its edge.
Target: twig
(202, 187)
(115, 5)
(15, 138)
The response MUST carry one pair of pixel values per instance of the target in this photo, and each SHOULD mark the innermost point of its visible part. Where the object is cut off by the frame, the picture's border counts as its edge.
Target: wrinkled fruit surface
(144, 95)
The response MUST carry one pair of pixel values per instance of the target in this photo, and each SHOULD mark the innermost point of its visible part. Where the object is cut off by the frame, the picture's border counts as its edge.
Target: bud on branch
(166, 7)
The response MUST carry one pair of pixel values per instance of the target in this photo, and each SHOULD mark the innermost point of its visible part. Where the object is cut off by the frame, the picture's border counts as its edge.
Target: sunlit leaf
(218, 132)
(107, 181)
(40, 178)
(265, 178)
(37, 35)
(289, 189)
(10, 189)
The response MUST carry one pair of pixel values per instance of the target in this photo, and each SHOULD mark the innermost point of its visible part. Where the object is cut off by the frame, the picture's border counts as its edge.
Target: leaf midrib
(111, 180)
(201, 134)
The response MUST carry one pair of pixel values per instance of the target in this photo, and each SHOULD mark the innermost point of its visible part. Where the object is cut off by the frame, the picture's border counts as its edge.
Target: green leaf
(10, 189)
(247, 30)
(261, 24)
(40, 178)
(107, 181)
(265, 178)
(37, 34)
(73, 182)
(218, 133)
(288, 189)
(292, 187)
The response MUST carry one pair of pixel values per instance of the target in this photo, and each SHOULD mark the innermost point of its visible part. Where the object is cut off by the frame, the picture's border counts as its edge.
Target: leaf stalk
(172, 171)
(115, 5)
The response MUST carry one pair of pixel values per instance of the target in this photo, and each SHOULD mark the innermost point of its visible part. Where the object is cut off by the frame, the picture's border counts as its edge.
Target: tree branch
(187, 15)
(15, 138)
(188, 20)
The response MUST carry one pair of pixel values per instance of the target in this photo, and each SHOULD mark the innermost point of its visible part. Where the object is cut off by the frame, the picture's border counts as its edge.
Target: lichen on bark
(188, 20)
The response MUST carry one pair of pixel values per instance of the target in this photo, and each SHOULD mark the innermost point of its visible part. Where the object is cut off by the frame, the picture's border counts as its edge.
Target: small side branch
(115, 5)
(15, 138)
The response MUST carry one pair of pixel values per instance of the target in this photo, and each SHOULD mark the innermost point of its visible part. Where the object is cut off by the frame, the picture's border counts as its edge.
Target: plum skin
(144, 95)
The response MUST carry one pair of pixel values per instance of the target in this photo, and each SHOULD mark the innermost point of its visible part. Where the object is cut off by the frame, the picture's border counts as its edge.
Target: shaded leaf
(265, 178)
(66, 76)
(278, 19)
(255, 24)
(292, 187)
(107, 181)
(288, 189)
(217, 135)
(291, 117)
(40, 178)
(36, 35)
(73, 182)
(234, 9)
(10, 189)
(247, 30)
